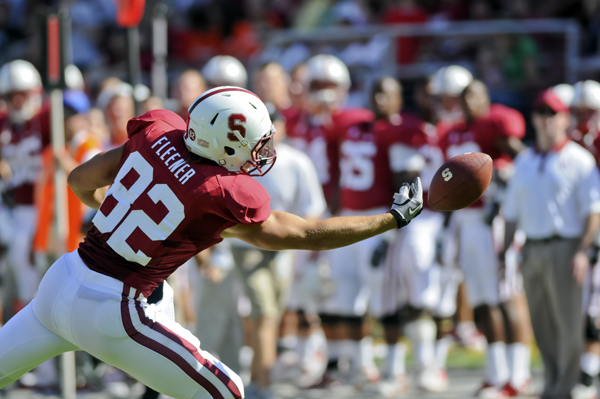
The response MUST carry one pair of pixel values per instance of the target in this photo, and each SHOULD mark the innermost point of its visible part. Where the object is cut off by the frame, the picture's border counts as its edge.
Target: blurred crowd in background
(213, 43)
(201, 29)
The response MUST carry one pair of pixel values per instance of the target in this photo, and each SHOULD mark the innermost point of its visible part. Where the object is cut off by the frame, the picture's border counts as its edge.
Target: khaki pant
(555, 301)
(262, 285)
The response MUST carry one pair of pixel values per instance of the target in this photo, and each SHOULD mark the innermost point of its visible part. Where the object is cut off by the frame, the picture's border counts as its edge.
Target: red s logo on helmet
(234, 125)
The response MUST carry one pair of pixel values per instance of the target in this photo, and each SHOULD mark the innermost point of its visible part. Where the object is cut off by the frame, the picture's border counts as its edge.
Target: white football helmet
(20, 76)
(231, 126)
(586, 95)
(224, 70)
(450, 81)
(324, 71)
(565, 92)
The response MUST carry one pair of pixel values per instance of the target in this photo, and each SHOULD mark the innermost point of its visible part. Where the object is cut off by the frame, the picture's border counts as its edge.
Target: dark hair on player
(378, 85)
(378, 88)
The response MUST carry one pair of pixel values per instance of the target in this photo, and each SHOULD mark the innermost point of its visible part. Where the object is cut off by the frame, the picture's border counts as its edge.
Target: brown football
(460, 181)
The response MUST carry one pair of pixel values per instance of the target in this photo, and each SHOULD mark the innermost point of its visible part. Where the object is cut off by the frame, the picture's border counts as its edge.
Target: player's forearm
(342, 231)
(90, 179)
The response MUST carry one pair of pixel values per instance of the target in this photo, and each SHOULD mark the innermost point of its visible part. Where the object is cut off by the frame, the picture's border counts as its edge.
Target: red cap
(550, 99)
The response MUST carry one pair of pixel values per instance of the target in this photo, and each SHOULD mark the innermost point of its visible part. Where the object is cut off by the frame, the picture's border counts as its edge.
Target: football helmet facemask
(231, 126)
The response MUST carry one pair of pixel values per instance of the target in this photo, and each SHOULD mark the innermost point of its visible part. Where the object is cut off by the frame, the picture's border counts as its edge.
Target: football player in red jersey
(496, 130)
(24, 133)
(175, 190)
(585, 108)
(317, 130)
(411, 286)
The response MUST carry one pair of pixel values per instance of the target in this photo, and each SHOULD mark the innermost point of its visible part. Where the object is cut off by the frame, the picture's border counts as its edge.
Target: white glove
(408, 203)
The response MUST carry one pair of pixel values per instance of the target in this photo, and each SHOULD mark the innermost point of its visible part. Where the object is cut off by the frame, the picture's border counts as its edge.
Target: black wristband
(399, 218)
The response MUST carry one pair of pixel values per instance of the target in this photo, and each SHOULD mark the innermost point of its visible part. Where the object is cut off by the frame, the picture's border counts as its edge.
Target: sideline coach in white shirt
(554, 197)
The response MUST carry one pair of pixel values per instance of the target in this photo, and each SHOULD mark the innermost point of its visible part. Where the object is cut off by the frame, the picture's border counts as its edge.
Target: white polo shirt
(552, 194)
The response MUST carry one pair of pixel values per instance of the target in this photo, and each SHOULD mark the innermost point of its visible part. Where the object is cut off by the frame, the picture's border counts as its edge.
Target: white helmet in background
(231, 126)
(224, 70)
(324, 71)
(586, 95)
(74, 78)
(20, 76)
(450, 81)
(565, 92)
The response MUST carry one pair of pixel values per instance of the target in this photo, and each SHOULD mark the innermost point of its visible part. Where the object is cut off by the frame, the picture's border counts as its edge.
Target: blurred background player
(439, 103)
(364, 182)
(411, 285)
(495, 130)
(189, 86)
(585, 107)
(302, 342)
(25, 132)
(317, 131)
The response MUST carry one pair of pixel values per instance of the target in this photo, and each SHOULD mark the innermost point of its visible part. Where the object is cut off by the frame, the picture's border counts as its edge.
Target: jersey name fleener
(174, 162)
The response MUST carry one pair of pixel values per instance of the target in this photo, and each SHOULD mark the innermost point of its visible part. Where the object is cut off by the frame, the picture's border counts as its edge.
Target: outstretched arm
(99, 172)
(286, 231)
(283, 230)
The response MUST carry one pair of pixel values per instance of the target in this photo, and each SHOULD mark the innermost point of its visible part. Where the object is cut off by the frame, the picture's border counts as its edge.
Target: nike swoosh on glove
(408, 203)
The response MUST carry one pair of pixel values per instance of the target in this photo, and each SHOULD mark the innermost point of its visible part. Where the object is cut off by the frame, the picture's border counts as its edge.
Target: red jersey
(413, 146)
(321, 139)
(481, 135)
(161, 209)
(365, 179)
(21, 146)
